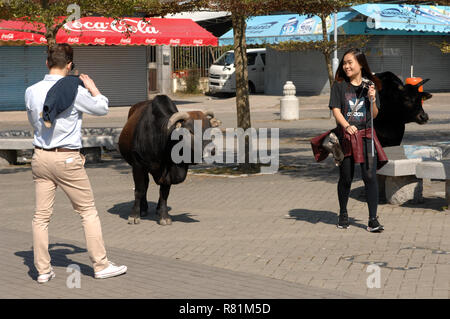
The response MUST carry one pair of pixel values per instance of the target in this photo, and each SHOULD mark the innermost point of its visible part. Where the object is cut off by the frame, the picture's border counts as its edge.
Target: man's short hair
(59, 55)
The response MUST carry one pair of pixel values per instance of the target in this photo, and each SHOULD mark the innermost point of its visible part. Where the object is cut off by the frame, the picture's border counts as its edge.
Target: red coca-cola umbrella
(107, 31)
(13, 34)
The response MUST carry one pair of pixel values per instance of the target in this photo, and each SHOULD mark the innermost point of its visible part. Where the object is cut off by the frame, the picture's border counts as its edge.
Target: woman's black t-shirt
(345, 95)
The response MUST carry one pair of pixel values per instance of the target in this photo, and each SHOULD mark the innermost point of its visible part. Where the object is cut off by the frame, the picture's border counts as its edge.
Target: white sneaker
(111, 271)
(46, 277)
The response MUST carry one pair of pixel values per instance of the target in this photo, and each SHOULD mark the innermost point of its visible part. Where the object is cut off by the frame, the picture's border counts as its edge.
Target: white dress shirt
(66, 128)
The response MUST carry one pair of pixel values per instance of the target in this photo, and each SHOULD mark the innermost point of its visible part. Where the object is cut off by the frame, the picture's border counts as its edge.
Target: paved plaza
(262, 236)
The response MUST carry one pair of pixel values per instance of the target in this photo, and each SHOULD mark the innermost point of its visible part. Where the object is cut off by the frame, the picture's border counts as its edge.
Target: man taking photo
(56, 117)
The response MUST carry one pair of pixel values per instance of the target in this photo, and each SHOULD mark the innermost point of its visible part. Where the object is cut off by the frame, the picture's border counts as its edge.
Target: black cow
(399, 104)
(145, 143)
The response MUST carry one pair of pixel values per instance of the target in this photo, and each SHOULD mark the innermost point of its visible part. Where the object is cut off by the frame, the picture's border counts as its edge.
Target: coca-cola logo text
(122, 26)
(9, 36)
(100, 40)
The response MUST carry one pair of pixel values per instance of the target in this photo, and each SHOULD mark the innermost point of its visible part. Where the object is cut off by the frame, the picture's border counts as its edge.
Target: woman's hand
(351, 129)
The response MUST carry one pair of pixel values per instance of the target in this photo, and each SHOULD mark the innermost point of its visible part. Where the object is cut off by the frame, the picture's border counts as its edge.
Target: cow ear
(426, 96)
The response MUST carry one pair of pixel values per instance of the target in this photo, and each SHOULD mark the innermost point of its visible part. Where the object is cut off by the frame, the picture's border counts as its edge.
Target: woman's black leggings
(369, 176)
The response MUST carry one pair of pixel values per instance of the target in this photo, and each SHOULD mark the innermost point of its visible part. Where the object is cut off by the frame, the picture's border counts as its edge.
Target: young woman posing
(350, 102)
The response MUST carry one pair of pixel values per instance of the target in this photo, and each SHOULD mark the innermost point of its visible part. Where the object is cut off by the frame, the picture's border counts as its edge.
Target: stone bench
(436, 170)
(92, 148)
(397, 180)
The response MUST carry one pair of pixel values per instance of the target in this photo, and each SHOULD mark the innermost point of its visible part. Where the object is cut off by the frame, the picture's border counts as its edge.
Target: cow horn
(177, 117)
(215, 122)
(421, 83)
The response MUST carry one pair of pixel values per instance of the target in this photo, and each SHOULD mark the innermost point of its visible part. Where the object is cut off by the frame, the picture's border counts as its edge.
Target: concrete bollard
(289, 103)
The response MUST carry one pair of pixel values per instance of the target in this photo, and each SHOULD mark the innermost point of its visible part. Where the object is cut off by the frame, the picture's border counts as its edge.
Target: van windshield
(225, 59)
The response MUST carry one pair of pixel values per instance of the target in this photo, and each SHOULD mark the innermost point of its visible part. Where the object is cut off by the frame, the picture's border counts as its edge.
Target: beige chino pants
(66, 170)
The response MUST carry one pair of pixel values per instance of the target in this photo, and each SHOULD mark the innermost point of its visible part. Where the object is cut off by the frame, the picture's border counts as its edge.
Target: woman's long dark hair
(365, 70)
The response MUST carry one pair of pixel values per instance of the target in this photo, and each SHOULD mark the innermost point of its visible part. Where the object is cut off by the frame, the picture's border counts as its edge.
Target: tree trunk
(51, 41)
(242, 98)
(326, 53)
(240, 63)
(50, 35)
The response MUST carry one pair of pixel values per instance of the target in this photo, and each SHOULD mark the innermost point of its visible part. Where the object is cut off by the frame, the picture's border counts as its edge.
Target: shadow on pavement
(316, 216)
(58, 254)
(434, 203)
(124, 209)
(301, 166)
(115, 162)
(15, 169)
(359, 194)
(426, 137)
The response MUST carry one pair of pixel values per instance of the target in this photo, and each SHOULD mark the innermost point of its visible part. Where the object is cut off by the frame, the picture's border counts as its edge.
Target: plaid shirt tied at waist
(352, 145)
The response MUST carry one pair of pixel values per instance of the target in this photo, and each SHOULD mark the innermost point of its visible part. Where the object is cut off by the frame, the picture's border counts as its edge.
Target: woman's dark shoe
(343, 221)
(374, 226)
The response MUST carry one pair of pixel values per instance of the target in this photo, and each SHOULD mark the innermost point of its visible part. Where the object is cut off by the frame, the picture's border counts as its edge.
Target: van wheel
(251, 87)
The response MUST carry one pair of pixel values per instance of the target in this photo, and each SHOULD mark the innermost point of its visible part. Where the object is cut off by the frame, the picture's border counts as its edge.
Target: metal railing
(201, 58)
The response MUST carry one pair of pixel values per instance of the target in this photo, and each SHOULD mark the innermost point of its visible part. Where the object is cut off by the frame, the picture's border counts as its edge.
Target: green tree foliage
(192, 79)
(322, 9)
(50, 13)
(444, 46)
(240, 11)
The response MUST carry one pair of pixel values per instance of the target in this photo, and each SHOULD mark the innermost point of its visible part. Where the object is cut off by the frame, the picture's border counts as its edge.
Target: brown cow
(146, 144)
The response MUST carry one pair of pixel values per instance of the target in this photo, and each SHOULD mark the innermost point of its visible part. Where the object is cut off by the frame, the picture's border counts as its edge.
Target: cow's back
(127, 135)
(389, 123)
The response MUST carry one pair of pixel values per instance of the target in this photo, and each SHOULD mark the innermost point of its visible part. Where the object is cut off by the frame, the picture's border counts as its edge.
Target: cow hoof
(133, 220)
(165, 221)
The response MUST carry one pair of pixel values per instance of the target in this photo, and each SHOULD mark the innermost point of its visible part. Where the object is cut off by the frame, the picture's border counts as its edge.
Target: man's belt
(57, 149)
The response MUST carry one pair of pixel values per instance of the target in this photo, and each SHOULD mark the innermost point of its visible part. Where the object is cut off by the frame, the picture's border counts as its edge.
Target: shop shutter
(389, 53)
(119, 72)
(20, 67)
(431, 63)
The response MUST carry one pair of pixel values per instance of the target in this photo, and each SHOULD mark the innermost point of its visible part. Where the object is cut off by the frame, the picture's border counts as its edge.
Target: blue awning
(278, 28)
(406, 17)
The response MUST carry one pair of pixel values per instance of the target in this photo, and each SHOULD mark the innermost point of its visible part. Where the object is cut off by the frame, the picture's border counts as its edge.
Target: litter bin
(414, 81)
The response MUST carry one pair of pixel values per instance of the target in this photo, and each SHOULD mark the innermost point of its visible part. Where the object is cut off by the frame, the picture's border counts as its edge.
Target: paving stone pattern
(266, 236)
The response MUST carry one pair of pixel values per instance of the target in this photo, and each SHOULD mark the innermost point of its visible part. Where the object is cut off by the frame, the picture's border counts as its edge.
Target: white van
(222, 77)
